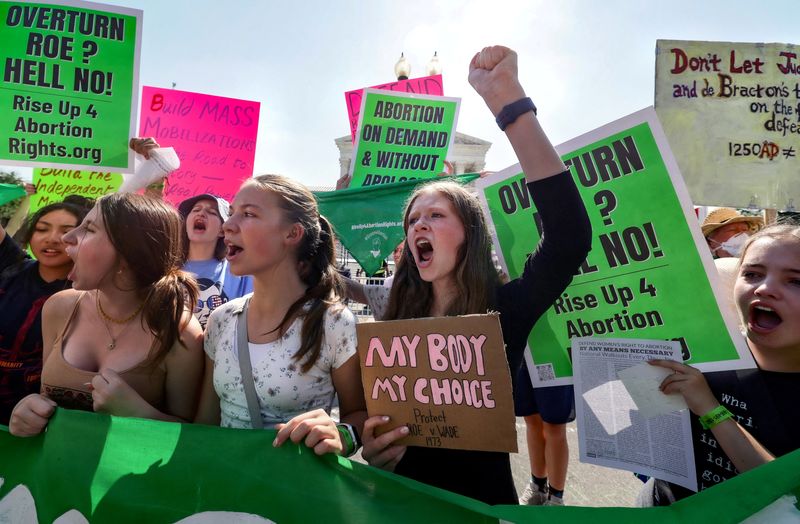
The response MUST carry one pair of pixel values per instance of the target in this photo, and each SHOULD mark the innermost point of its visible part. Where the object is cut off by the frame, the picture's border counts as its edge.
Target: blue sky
(584, 63)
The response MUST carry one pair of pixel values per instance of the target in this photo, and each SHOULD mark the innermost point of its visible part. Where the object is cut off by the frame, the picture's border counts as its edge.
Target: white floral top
(378, 300)
(283, 390)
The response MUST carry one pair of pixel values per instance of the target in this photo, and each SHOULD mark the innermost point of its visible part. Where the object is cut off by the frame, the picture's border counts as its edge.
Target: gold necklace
(112, 337)
(105, 318)
(109, 318)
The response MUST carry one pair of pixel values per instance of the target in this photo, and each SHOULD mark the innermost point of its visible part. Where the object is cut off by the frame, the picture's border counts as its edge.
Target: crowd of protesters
(102, 318)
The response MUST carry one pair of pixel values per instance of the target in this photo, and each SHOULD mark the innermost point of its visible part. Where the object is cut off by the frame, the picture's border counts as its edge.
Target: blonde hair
(789, 232)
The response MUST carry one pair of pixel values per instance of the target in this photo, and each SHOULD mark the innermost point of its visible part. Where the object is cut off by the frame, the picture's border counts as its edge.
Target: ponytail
(325, 289)
(164, 306)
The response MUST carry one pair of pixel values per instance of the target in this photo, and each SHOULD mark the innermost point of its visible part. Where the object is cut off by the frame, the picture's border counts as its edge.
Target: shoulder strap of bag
(246, 368)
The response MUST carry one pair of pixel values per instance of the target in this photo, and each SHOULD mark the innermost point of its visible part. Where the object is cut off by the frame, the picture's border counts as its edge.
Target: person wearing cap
(204, 254)
(726, 230)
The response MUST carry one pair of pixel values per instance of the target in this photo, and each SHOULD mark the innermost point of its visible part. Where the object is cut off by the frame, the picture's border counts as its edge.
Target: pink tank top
(66, 384)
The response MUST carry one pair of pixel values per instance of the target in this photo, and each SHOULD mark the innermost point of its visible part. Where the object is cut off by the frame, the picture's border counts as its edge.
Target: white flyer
(652, 437)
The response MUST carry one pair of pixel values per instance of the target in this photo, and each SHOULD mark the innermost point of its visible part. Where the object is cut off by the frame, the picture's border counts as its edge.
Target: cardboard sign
(428, 85)
(214, 137)
(402, 137)
(730, 111)
(649, 273)
(54, 185)
(67, 90)
(445, 378)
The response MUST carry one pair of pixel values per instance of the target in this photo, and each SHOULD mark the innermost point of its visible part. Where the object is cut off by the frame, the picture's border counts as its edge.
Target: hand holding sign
(493, 74)
(381, 451)
(343, 182)
(643, 383)
(143, 146)
(689, 382)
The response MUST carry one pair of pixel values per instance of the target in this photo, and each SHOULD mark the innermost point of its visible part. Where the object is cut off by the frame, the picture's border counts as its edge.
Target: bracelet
(350, 439)
(509, 114)
(715, 416)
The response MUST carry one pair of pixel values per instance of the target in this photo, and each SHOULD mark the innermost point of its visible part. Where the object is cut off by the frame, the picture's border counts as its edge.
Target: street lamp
(434, 67)
(402, 69)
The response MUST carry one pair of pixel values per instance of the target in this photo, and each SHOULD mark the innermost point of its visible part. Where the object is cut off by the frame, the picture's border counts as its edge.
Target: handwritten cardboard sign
(429, 85)
(214, 137)
(731, 114)
(446, 379)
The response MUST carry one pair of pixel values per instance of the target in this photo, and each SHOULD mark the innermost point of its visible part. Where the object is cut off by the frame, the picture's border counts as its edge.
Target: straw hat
(727, 215)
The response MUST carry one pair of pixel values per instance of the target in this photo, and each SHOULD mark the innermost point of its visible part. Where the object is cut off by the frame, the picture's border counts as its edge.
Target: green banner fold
(10, 192)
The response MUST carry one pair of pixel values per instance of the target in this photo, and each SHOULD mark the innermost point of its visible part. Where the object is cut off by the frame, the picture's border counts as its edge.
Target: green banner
(69, 85)
(402, 136)
(121, 470)
(369, 220)
(649, 272)
(54, 185)
(10, 192)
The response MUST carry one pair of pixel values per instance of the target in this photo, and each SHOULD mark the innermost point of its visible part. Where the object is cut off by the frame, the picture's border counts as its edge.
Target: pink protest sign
(428, 85)
(214, 136)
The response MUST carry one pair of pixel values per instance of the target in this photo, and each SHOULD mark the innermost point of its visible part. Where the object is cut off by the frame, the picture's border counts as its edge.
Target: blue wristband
(509, 114)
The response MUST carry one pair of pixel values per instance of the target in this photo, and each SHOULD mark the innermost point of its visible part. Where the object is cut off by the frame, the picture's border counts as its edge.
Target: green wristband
(715, 416)
(347, 439)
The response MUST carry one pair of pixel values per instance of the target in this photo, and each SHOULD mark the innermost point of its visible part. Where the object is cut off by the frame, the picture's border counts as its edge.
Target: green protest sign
(649, 274)
(369, 220)
(54, 185)
(10, 192)
(402, 136)
(134, 470)
(69, 87)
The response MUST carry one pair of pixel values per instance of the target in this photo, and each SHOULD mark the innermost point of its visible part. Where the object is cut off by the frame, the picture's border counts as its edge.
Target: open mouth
(50, 252)
(73, 255)
(72, 272)
(764, 319)
(424, 252)
(232, 250)
(199, 226)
